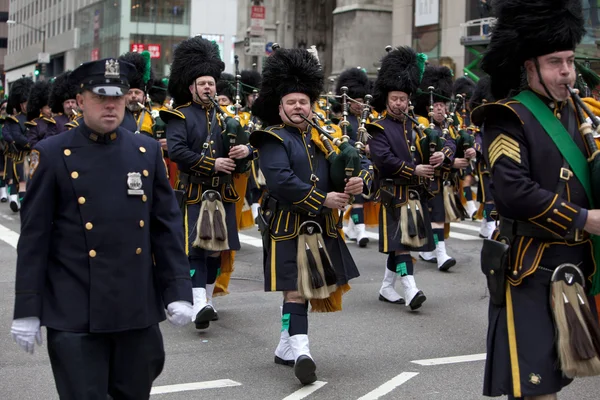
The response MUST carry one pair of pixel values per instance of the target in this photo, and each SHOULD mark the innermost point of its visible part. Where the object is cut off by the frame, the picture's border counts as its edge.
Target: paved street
(369, 351)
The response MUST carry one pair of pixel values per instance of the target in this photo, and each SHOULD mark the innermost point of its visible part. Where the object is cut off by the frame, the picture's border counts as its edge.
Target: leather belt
(215, 181)
(510, 228)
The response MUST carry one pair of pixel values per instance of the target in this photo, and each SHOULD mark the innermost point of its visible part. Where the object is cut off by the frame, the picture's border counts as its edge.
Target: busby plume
(158, 92)
(482, 93)
(440, 77)
(226, 86)
(62, 90)
(357, 82)
(399, 72)
(192, 58)
(18, 93)
(38, 98)
(463, 86)
(250, 81)
(148, 67)
(522, 32)
(287, 71)
(137, 78)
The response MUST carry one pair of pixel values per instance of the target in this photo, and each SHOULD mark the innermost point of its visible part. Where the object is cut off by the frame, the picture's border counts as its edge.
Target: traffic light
(37, 70)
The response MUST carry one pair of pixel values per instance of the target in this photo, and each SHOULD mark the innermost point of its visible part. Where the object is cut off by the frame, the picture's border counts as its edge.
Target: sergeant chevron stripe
(504, 145)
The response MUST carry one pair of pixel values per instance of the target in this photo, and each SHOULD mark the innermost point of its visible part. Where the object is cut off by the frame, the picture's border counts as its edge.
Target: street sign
(43, 58)
(257, 21)
(256, 46)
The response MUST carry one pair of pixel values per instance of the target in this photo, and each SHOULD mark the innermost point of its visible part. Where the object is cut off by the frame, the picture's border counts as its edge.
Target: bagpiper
(541, 269)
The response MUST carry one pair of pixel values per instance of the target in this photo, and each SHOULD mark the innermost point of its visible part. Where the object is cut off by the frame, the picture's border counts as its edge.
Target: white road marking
(8, 236)
(464, 226)
(184, 387)
(462, 236)
(389, 386)
(306, 391)
(8, 217)
(451, 360)
(250, 241)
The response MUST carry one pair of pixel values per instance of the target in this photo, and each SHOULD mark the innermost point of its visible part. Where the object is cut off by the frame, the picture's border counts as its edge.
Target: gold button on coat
(92, 253)
(142, 149)
(81, 200)
(141, 224)
(67, 152)
(138, 251)
(74, 174)
(145, 172)
(89, 226)
(144, 198)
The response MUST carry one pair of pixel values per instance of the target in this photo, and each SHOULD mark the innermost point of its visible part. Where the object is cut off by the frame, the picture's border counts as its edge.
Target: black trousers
(90, 366)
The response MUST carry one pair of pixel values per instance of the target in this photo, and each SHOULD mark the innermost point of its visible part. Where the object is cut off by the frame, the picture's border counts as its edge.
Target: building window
(160, 11)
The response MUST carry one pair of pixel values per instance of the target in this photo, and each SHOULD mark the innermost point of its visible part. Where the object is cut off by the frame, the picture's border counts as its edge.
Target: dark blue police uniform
(100, 256)
(39, 129)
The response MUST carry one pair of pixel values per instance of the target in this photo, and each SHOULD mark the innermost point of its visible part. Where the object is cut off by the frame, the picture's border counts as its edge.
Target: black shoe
(14, 206)
(448, 264)
(399, 301)
(287, 363)
(3, 200)
(431, 260)
(216, 317)
(363, 242)
(304, 369)
(204, 317)
(416, 302)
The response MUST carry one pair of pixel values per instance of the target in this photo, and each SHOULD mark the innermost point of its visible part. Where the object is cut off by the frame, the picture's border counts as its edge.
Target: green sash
(572, 154)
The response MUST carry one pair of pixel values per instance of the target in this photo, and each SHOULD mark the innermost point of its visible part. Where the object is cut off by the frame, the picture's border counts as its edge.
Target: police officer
(40, 123)
(101, 252)
(300, 193)
(15, 134)
(545, 214)
(205, 163)
(62, 101)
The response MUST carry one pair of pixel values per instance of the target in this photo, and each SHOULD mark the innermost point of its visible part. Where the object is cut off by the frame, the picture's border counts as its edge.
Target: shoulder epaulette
(12, 118)
(257, 137)
(166, 115)
(478, 114)
(31, 123)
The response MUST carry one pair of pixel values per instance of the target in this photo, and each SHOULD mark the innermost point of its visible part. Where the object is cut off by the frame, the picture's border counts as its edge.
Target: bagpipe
(233, 134)
(464, 139)
(430, 139)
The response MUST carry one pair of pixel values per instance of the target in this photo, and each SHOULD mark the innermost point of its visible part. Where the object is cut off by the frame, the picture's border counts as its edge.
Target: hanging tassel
(421, 229)
(204, 226)
(315, 277)
(591, 324)
(402, 229)
(329, 271)
(579, 341)
(220, 228)
(304, 279)
(412, 229)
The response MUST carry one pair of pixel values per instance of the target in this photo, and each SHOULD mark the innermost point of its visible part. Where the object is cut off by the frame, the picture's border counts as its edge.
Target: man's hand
(225, 165)
(180, 313)
(354, 186)
(163, 144)
(26, 332)
(470, 153)
(238, 152)
(592, 223)
(368, 151)
(336, 200)
(460, 163)
(424, 170)
(436, 158)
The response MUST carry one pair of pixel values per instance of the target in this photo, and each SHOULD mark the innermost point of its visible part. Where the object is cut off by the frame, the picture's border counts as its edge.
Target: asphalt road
(368, 351)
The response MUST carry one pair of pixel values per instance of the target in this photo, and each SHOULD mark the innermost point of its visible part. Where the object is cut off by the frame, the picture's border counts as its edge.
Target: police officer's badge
(34, 161)
(134, 182)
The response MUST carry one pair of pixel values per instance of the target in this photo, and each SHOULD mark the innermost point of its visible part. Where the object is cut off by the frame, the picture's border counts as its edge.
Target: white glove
(27, 331)
(180, 313)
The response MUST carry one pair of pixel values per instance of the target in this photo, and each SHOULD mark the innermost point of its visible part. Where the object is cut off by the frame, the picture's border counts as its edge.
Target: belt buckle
(578, 237)
(215, 181)
(565, 174)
